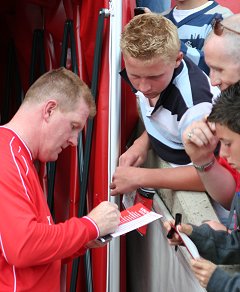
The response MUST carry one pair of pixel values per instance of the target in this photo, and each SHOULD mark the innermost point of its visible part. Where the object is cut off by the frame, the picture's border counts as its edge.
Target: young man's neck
(187, 5)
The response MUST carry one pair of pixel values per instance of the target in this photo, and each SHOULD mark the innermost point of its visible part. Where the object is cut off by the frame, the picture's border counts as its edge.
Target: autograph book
(191, 247)
(132, 218)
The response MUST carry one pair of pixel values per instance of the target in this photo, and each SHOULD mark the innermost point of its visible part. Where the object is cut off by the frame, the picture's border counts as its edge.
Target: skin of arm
(127, 179)
(128, 176)
(200, 148)
(137, 153)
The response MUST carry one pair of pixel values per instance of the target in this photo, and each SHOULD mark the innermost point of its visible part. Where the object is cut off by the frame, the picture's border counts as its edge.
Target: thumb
(185, 228)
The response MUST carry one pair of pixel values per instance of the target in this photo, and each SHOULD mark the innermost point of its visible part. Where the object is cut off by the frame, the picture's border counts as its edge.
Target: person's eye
(227, 144)
(134, 77)
(155, 77)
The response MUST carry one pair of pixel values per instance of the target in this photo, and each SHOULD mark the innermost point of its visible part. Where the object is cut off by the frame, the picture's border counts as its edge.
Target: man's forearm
(178, 178)
(219, 184)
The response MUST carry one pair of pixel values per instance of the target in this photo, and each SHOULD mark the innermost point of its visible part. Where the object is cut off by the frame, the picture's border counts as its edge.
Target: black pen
(178, 220)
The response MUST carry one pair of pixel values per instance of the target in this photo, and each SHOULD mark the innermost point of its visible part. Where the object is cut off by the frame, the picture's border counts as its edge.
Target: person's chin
(223, 86)
(234, 166)
(150, 96)
(53, 157)
(237, 168)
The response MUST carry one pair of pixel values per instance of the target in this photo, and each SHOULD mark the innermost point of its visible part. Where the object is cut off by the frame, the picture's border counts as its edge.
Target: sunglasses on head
(218, 27)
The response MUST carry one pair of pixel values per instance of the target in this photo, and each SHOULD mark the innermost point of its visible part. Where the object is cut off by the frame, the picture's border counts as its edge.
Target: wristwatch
(204, 167)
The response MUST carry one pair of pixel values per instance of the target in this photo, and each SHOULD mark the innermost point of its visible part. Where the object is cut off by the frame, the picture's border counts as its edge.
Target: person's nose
(73, 140)
(215, 78)
(144, 85)
(224, 151)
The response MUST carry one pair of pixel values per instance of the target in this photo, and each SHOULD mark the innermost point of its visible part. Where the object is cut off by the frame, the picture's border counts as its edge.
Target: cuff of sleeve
(92, 226)
(199, 231)
(218, 280)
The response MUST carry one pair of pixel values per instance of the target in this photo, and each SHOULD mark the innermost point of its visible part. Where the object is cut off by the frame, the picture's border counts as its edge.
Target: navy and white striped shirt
(188, 97)
(194, 29)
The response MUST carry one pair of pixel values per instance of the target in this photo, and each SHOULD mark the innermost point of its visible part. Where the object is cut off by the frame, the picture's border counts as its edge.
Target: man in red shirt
(54, 111)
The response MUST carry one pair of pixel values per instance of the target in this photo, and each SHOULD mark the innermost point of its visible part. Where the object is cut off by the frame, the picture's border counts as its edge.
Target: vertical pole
(114, 130)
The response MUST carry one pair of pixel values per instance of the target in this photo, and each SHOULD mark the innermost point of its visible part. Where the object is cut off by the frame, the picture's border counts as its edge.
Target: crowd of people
(191, 121)
(167, 111)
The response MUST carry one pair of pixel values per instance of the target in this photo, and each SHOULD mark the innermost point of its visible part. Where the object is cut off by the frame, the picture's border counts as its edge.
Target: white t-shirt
(180, 14)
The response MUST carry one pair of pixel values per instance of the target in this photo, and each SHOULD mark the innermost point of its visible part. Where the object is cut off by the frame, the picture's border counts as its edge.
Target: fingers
(168, 225)
(130, 160)
(137, 153)
(175, 238)
(113, 185)
(125, 180)
(185, 228)
(113, 188)
(203, 270)
(199, 135)
(107, 217)
(212, 127)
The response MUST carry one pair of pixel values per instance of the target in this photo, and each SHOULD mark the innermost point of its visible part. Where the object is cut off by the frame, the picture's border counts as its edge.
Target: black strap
(68, 34)
(37, 66)
(13, 91)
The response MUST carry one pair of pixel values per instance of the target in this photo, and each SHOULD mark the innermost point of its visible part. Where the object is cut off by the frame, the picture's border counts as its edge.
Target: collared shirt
(188, 97)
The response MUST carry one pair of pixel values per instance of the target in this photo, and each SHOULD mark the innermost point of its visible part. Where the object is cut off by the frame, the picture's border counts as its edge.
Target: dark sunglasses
(218, 27)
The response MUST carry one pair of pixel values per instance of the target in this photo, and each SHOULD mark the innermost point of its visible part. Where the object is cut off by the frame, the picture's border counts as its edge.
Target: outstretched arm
(127, 179)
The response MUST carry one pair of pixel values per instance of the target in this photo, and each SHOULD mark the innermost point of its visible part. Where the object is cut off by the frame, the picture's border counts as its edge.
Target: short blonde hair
(62, 85)
(150, 35)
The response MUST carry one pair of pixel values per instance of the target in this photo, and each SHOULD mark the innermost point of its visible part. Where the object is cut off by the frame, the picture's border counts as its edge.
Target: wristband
(205, 167)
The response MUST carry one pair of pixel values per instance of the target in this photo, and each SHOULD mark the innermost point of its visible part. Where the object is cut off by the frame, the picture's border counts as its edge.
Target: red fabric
(234, 172)
(31, 245)
(233, 5)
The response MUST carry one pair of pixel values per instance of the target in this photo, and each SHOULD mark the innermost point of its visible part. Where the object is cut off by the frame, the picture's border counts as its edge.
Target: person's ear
(179, 59)
(49, 108)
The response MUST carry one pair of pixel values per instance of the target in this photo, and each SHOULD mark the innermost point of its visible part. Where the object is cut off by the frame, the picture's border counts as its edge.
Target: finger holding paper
(176, 239)
(203, 270)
